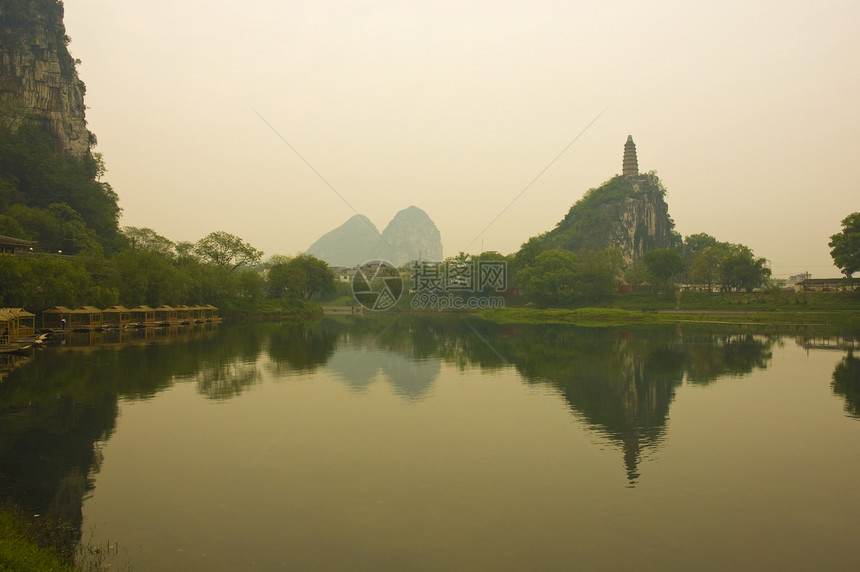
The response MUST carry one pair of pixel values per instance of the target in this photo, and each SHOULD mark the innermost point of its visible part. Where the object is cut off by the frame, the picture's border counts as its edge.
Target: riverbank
(271, 310)
(20, 550)
(599, 317)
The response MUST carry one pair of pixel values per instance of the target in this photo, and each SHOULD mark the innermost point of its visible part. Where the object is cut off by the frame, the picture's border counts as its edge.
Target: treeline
(219, 269)
(559, 277)
(82, 256)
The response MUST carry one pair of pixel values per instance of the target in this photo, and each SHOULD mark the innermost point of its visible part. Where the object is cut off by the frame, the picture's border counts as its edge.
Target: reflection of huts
(116, 317)
(16, 323)
(166, 315)
(56, 318)
(86, 318)
(143, 316)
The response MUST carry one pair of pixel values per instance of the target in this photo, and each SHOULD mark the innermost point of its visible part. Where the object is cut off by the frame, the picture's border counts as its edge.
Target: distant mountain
(411, 235)
(350, 244)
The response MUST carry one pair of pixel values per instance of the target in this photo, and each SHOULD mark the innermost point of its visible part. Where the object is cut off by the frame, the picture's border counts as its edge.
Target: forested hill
(50, 187)
(627, 212)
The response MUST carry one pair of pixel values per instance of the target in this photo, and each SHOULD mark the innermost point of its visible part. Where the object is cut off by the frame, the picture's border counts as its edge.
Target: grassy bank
(597, 317)
(20, 550)
(270, 310)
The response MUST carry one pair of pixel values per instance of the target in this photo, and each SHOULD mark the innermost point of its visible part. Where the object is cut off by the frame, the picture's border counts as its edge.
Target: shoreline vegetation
(776, 307)
(607, 317)
(780, 308)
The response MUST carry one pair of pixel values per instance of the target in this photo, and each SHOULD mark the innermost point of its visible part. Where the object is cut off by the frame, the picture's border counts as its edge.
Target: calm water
(398, 444)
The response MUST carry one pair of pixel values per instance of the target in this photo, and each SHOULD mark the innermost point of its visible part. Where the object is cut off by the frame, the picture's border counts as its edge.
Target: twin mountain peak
(411, 235)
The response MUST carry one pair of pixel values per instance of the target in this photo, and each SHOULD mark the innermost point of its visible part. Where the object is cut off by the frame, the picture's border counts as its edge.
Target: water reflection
(57, 407)
(411, 379)
(846, 383)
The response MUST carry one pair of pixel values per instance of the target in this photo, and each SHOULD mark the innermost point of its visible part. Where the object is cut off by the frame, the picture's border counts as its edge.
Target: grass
(20, 550)
(600, 317)
(43, 546)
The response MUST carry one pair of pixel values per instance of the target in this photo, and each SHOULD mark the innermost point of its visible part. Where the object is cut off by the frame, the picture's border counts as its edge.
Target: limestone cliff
(628, 212)
(38, 79)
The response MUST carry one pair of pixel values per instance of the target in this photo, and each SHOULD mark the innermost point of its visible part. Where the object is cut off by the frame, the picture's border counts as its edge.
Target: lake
(396, 443)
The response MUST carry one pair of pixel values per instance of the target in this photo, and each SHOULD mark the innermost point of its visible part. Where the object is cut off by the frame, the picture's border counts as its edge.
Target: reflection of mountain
(620, 382)
(411, 379)
(846, 383)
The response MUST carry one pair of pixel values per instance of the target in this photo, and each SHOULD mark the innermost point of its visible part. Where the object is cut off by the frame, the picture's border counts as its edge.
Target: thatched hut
(143, 316)
(166, 315)
(16, 323)
(56, 318)
(210, 313)
(86, 318)
(117, 317)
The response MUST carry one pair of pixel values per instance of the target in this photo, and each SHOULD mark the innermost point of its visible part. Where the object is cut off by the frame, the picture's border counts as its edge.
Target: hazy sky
(747, 110)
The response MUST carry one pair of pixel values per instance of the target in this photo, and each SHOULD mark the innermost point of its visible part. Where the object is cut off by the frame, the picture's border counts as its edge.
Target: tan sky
(747, 110)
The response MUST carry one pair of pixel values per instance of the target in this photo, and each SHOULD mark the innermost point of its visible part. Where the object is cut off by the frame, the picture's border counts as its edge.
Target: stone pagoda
(630, 166)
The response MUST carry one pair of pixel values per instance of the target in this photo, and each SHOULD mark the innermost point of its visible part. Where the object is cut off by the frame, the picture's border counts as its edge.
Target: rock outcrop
(38, 79)
(411, 235)
(627, 212)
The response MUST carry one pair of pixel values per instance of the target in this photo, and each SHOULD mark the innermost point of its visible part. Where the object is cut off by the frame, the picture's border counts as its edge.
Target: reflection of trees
(846, 383)
(713, 355)
(302, 348)
(56, 408)
(47, 444)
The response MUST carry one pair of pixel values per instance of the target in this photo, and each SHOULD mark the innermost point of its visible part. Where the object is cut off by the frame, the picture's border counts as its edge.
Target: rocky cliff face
(411, 235)
(38, 79)
(643, 224)
(628, 212)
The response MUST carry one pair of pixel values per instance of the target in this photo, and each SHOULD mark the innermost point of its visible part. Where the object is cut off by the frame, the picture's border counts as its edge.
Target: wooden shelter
(183, 314)
(16, 323)
(11, 245)
(166, 315)
(56, 318)
(143, 316)
(210, 313)
(116, 317)
(198, 315)
(86, 318)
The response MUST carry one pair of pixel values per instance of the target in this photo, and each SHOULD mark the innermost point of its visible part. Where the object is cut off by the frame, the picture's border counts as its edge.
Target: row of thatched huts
(92, 318)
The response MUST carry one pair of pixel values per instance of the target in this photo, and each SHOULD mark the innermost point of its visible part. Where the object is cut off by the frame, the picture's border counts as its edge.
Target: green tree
(705, 266)
(741, 270)
(552, 279)
(146, 277)
(148, 239)
(303, 276)
(227, 250)
(845, 245)
(663, 265)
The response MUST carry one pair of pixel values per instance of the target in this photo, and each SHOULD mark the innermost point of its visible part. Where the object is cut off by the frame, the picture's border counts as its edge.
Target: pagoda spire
(630, 166)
